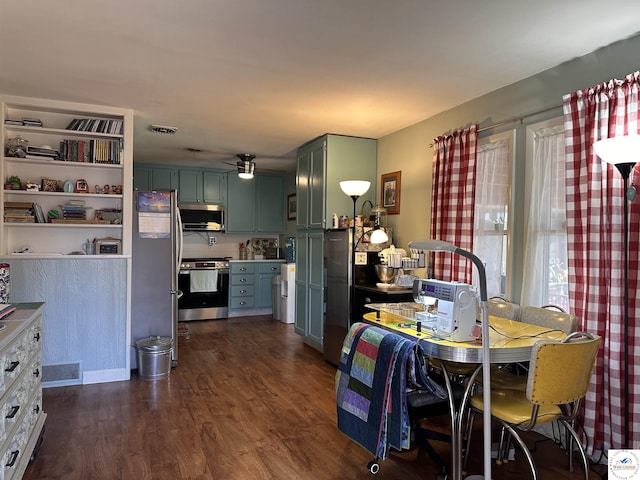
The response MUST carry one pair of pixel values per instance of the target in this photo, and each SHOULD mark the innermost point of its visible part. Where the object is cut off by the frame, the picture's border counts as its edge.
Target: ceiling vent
(164, 129)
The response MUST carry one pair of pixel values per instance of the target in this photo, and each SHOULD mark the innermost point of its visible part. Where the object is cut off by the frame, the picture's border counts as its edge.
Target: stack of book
(19, 212)
(42, 152)
(91, 151)
(74, 210)
(97, 125)
(31, 122)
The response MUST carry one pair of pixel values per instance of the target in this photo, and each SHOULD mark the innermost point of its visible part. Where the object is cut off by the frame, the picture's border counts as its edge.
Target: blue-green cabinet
(309, 321)
(142, 177)
(255, 205)
(242, 291)
(150, 177)
(190, 186)
(321, 165)
(266, 272)
(241, 205)
(164, 178)
(214, 186)
(251, 284)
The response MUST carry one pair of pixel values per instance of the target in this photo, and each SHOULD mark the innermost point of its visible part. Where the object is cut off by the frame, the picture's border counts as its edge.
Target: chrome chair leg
(525, 449)
(574, 436)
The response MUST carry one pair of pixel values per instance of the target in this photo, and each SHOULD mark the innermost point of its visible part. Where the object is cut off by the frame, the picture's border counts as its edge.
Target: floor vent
(61, 375)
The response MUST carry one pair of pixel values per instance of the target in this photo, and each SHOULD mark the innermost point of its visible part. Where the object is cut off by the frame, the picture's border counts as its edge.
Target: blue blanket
(371, 388)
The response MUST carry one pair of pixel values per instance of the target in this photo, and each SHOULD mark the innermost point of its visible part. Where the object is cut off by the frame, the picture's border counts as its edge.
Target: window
(492, 208)
(545, 261)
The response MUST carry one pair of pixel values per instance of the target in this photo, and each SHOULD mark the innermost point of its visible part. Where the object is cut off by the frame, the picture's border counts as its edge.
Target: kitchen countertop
(391, 290)
(259, 260)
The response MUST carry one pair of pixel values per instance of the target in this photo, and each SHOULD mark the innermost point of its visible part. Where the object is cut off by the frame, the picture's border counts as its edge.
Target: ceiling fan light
(246, 165)
(246, 169)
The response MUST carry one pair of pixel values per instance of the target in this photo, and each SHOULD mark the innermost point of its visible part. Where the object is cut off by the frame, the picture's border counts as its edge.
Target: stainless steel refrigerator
(156, 257)
(337, 258)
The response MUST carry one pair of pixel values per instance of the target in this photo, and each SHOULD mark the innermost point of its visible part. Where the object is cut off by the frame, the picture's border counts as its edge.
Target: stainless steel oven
(204, 283)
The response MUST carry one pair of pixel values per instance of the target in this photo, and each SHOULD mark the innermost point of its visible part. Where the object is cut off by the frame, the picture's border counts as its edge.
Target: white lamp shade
(618, 150)
(355, 188)
(378, 236)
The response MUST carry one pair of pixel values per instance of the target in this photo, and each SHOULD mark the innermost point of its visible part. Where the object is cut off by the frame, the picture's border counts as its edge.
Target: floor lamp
(623, 152)
(441, 246)
(355, 189)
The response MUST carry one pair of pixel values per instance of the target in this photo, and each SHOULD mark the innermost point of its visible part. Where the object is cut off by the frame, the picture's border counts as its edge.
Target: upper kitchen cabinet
(321, 165)
(153, 177)
(194, 185)
(214, 186)
(255, 205)
(190, 186)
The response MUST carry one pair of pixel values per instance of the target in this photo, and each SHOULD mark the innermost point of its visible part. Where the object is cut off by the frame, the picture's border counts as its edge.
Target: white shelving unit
(63, 238)
(86, 329)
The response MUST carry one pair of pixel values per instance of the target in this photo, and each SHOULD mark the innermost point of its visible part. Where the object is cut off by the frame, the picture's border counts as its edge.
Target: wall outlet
(361, 258)
(212, 240)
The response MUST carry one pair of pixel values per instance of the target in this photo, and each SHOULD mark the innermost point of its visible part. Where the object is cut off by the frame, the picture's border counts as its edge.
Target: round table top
(510, 341)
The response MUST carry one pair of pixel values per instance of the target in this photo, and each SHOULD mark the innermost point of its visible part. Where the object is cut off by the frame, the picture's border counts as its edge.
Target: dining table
(510, 341)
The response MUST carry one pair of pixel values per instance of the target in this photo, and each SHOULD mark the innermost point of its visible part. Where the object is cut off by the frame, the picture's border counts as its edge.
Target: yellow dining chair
(558, 379)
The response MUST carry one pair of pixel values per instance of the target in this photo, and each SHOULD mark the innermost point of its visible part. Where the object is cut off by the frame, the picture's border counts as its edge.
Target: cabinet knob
(243, 280)
(243, 291)
(243, 303)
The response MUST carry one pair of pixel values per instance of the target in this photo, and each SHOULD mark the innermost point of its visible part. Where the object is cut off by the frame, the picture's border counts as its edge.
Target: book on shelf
(32, 122)
(39, 213)
(96, 125)
(9, 121)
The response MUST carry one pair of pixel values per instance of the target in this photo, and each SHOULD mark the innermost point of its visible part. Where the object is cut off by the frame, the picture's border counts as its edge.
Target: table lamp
(442, 246)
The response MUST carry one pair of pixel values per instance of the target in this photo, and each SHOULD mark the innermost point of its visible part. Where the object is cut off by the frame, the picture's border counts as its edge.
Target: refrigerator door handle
(180, 238)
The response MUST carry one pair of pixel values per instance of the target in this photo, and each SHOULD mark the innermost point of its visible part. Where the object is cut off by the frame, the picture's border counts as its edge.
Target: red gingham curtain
(596, 252)
(454, 180)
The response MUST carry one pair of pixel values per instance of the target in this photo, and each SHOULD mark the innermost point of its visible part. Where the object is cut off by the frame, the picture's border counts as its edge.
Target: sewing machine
(454, 305)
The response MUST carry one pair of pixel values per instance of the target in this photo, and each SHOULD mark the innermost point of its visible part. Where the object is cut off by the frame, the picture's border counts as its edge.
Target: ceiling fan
(245, 165)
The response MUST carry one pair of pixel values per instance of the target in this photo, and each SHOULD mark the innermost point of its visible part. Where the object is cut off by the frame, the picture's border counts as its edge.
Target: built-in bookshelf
(73, 164)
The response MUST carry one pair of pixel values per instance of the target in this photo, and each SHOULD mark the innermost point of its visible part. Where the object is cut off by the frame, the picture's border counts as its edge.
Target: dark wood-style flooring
(248, 400)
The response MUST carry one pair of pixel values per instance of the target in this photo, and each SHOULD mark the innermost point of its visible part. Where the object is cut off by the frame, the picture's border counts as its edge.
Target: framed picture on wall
(291, 207)
(390, 192)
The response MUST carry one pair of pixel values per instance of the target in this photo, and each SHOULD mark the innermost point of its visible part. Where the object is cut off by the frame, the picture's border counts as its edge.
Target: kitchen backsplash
(226, 244)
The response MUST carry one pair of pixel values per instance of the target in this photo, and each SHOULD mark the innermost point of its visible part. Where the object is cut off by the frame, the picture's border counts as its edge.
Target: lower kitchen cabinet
(242, 294)
(21, 388)
(250, 284)
(309, 321)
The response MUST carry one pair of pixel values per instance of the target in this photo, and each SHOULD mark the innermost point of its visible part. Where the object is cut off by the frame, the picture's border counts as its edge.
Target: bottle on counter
(334, 221)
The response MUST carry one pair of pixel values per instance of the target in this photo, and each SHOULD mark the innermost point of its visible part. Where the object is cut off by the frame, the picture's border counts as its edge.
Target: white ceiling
(265, 76)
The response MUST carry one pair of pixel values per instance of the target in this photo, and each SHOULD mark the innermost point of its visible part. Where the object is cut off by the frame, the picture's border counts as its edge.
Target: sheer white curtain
(545, 260)
(491, 212)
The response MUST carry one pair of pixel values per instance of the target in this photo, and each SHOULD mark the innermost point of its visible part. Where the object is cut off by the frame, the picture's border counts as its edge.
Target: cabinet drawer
(242, 291)
(240, 280)
(272, 268)
(241, 302)
(242, 268)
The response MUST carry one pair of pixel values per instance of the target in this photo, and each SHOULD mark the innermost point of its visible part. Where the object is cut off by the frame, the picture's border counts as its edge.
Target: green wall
(409, 149)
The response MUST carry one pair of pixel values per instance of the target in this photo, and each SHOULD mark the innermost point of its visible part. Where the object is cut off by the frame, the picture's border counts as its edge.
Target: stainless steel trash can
(275, 298)
(154, 357)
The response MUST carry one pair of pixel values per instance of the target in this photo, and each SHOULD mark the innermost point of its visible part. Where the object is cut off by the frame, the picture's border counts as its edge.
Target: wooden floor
(247, 401)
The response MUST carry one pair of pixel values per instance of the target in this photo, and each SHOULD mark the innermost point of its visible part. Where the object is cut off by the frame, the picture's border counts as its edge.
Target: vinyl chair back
(549, 316)
(501, 307)
(558, 379)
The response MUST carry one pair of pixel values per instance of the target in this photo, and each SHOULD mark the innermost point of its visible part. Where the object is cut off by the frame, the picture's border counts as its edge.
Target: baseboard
(103, 376)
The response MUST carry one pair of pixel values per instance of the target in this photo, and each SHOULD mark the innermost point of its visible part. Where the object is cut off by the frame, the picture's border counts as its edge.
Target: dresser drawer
(241, 302)
(242, 291)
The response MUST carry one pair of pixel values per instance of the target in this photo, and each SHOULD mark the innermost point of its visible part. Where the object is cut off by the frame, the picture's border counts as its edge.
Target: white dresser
(21, 414)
